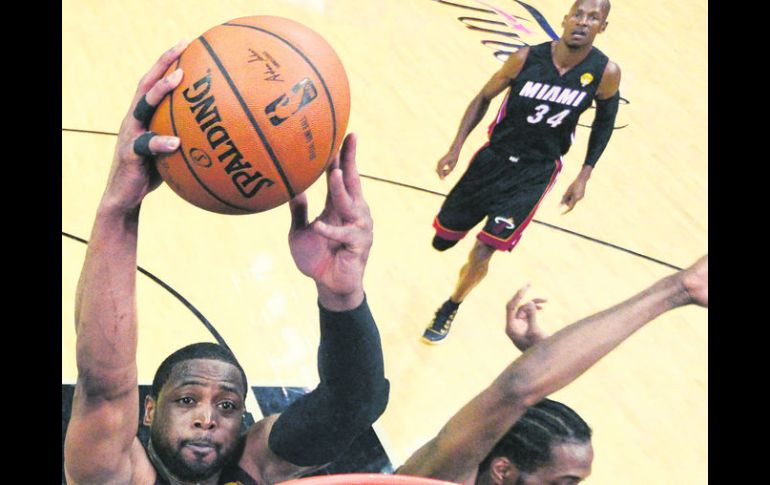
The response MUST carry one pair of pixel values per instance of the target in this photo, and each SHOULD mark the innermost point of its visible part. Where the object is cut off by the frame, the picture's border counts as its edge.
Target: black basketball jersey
(231, 476)
(234, 476)
(539, 114)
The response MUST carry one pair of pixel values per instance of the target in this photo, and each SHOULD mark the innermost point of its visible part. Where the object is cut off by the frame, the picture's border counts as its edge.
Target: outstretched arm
(479, 106)
(104, 418)
(546, 367)
(353, 392)
(607, 101)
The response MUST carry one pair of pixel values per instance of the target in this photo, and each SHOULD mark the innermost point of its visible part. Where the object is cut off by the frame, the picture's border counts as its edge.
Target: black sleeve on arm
(353, 392)
(601, 130)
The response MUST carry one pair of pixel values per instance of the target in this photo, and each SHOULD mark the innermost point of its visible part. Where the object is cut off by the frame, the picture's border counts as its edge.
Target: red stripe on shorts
(511, 242)
(447, 234)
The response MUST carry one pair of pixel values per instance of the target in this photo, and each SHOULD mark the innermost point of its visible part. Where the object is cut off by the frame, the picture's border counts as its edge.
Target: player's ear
(149, 410)
(501, 470)
(604, 27)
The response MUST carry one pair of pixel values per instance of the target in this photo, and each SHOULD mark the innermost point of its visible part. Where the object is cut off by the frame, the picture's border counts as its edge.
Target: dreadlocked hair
(529, 442)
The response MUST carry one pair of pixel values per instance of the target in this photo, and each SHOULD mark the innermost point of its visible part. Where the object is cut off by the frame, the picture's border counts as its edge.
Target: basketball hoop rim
(366, 479)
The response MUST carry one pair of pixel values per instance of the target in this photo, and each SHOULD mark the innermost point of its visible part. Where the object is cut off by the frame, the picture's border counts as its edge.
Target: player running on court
(551, 84)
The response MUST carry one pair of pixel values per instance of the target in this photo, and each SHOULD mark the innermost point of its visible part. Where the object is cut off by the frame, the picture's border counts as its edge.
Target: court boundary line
(175, 293)
(433, 192)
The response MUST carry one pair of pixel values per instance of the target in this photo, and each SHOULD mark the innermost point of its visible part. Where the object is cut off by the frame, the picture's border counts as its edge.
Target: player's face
(196, 421)
(570, 464)
(584, 20)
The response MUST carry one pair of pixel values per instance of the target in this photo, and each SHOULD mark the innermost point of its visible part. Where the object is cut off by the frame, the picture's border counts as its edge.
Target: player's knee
(442, 244)
(483, 252)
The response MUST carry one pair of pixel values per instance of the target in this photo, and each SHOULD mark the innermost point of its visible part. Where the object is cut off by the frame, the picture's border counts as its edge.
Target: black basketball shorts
(504, 189)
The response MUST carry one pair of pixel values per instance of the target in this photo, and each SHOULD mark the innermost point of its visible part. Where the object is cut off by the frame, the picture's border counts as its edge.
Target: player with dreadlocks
(510, 434)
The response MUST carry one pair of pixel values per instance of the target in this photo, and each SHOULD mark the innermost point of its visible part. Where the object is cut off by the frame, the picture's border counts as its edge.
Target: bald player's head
(585, 19)
(604, 6)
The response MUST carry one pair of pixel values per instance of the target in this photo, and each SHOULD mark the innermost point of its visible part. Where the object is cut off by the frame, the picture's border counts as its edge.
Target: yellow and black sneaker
(442, 321)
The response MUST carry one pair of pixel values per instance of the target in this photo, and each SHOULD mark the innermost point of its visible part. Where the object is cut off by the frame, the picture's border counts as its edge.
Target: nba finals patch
(586, 79)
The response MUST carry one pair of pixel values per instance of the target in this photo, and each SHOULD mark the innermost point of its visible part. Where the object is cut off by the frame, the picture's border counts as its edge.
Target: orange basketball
(261, 110)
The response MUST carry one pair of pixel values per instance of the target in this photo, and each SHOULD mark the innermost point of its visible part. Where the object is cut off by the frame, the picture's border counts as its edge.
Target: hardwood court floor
(413, 68)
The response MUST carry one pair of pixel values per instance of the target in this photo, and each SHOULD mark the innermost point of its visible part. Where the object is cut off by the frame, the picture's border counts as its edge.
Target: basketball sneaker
(442, 321)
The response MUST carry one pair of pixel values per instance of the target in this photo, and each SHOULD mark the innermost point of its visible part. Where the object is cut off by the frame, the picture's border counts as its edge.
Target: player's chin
(578, 40)
(575, 43)
(199, 467)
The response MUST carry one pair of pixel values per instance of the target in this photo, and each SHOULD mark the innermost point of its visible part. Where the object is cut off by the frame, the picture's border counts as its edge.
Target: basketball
(261, 111)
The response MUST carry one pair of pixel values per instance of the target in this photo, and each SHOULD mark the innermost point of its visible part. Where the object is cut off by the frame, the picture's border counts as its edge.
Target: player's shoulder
(519, 55)
(471, 480)
(515, 62)
(542, 51)
(257, 461)
(142, 469)
(612, 68)
(610, 82)
(255, 441)
(611, 72)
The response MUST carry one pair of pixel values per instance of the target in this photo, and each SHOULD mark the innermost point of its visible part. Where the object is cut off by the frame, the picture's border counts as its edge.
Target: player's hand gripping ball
(261, 111)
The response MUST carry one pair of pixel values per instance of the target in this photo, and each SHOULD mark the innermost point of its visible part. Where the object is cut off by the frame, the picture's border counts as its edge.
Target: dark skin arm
(101, 444)
(607, 88)
(333, 251)
(549, 365)
(479, 106)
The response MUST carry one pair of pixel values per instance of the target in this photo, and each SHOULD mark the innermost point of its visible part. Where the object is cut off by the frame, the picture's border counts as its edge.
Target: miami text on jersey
(557, 94)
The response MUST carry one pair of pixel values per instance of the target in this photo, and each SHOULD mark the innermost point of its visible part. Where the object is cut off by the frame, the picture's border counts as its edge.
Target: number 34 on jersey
(543, 109)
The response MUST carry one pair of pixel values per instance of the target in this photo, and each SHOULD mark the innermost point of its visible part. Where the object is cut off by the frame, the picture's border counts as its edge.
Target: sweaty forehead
(207, 372)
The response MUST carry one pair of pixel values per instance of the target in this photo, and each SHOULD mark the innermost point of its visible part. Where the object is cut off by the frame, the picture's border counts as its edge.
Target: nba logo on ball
(261, 111)
(301, 94)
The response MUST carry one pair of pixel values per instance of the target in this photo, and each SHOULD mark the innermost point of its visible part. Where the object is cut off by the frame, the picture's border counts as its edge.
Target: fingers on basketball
(220, 103)
(163, 86)
(349, 168)
(340, 197)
